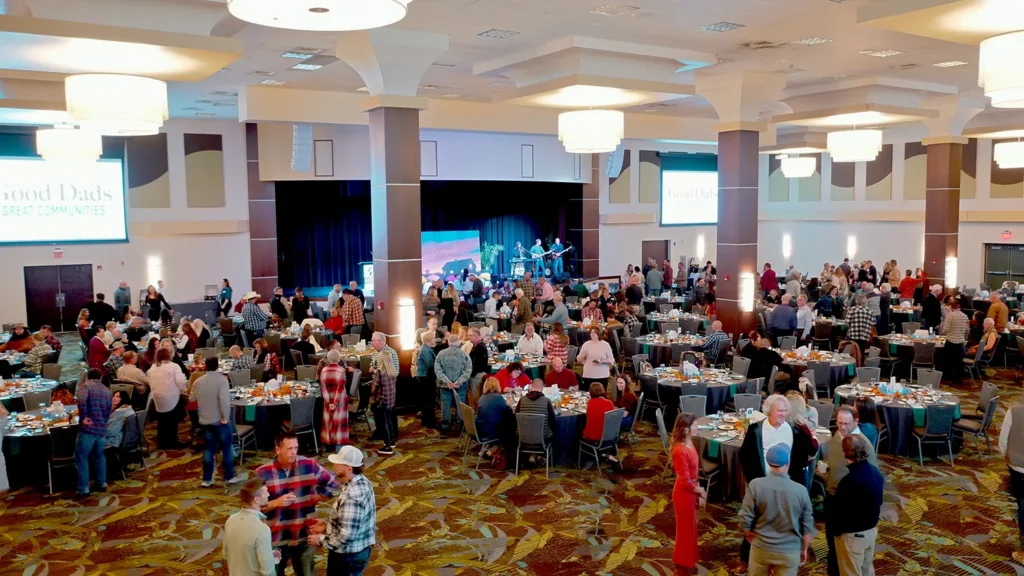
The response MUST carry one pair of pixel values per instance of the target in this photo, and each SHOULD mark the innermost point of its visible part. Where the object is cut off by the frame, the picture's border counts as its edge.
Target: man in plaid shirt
(295, 484)
(859, 321)
(714, 341)
(352, 528)
(254, 319)
(526, 285)
(352, 309)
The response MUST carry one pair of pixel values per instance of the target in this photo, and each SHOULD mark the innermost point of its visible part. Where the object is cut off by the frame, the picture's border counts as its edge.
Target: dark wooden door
(76, 286)
(657, 249)
(42, 285)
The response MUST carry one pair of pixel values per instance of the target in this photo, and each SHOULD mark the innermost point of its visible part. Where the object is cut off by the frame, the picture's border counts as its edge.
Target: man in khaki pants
(856, 507)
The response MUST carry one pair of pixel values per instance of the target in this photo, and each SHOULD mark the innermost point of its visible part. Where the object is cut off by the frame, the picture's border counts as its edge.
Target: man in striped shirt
(296, 484)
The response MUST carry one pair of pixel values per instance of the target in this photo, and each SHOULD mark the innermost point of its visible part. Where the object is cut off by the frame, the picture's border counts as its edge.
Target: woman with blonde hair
(840, 281)
(687, 494)
(382, 394)
(805, 441)
(495, 418)
(449, 304)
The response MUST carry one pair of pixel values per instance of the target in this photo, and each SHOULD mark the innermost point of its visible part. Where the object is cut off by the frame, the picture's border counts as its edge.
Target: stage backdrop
(449, 253)
(323, 228)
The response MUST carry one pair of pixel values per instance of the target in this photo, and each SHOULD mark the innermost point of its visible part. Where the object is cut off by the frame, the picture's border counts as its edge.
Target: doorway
(1003, 262)
(657, 249)
(55, 294)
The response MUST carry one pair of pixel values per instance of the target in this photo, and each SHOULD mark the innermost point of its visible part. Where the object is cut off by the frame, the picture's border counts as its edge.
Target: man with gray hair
(859, 321)
(560, 313)
(782, 320)
(804, 318)
(333, 296)
(931, 308)
(453, 369)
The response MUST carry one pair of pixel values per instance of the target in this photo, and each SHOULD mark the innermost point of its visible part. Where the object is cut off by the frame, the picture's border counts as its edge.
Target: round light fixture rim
(241, 9)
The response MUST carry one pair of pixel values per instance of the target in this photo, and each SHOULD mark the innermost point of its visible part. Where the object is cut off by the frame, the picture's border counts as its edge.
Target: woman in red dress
(687, 494)
(334, 429)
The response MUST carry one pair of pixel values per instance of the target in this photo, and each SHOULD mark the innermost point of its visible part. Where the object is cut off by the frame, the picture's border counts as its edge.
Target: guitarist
(556, 259)
(537, 252)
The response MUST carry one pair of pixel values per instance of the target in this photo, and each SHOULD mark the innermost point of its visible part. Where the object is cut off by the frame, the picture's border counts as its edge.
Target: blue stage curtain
(324, 228)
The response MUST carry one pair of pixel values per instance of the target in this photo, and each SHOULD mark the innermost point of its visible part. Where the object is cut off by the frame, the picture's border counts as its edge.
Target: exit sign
(1007, 234)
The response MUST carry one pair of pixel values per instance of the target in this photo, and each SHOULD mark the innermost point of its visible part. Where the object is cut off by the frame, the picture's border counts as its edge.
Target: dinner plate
(726, 427)
(732, 419)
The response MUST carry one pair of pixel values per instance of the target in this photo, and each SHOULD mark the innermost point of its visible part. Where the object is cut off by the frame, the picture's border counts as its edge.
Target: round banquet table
(718, 393)
(899, 417)
(567, 427)
(34, 385)
(660, 353)
(268, 415)
(899, 316)
(27, 451)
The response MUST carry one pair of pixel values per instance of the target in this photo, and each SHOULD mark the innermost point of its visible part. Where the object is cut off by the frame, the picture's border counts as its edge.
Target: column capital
(388, 101)
(390, 60)
(954, 114)
(934, 140)
(740, 97)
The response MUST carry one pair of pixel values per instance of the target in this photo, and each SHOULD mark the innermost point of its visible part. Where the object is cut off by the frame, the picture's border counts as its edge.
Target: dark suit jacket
(752, 454)
(932, 311)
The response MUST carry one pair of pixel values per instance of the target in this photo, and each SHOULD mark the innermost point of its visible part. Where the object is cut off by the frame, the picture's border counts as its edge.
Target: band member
(537, 253)
(519, 250)
(556, 259)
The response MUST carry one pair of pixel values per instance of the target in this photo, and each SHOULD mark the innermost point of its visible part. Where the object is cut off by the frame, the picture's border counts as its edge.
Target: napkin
(690, 370)
(802, 351)
(672, 335)
(273, 384)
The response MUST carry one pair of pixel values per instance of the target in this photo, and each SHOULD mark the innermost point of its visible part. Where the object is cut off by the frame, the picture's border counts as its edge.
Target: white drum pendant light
(1000, 72)
(798, 166)
(320, 15)
(116, 105)
(65, 145)
(591, 131)
(854, 145)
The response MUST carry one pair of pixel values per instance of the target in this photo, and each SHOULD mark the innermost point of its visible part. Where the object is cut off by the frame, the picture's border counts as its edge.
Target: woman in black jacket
(156, 303)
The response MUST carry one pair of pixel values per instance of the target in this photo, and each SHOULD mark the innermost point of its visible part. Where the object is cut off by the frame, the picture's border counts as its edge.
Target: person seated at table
(278, 323)
(831, 304)
(335, 323)
(114, 361)
(304, 345)
(202, 333)
(488, 338)
(148, 358)
(512, 376)
(63, 395)
(867, 418)
(121, 409)
(805, 439)
(560, 315)
(597, 407)
(782, 320)
(21, 340)
(530, 342)
(190, 340)
(557, 343)
(591, 312)
(495, 419)
(135, 332)
(989, 337)
(535, 402)
(558, 375)
(762, 359)
(626, 399)
(773, 297)
(269, 360)
(130, 372)
(241, 360)
(37, 354)
(166, 319)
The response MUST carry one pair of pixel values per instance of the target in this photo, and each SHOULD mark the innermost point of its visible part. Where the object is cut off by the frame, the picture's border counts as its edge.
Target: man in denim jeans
(213, 396)
(453, 369)
(94, 405)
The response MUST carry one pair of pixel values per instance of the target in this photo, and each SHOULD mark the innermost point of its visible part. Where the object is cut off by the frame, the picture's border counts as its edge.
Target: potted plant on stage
(489, 255)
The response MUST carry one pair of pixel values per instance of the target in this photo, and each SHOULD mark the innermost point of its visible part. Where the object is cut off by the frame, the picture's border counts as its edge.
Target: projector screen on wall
(41, 202)
(689, 197)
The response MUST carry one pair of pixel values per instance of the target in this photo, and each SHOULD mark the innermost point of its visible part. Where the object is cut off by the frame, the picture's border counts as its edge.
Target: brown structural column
(262, 221)
(395, 213)
(590, 250)
(737, 224)
(942, 209)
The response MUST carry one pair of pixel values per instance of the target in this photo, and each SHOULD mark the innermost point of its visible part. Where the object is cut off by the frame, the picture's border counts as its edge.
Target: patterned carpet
(438, 517)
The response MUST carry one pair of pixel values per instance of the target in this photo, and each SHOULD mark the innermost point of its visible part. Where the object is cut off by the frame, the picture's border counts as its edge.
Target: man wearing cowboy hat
(115, 361)
(350, 532)
(254, 318)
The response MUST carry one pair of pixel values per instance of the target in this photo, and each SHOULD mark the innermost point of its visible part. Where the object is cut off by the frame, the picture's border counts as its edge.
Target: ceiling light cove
(583, 96)
(591, 131)
(854, 145)
(319, 15)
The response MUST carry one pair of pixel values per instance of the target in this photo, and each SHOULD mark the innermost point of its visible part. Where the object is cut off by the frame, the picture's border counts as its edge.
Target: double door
(54, 295)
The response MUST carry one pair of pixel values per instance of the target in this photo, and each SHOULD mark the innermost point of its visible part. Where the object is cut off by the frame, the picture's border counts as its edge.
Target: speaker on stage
(302, 147)
(615, 159)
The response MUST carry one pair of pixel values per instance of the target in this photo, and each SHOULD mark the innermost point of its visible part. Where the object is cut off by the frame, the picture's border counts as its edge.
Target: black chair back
(940, 419)
(62, 441)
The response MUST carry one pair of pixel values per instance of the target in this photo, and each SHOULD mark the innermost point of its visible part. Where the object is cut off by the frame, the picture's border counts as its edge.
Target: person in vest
(1011, 444)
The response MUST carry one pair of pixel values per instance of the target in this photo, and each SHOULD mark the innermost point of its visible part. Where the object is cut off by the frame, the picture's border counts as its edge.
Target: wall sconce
(700, 247)
(787, 246)
(746, 292)
(951, 272)
(851, 247)
(407, 323)
(154, 270)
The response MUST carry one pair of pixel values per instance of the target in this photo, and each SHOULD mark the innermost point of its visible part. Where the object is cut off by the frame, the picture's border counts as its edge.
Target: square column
(395, 214)
(738, 162)
(590, 248)
(942, 209)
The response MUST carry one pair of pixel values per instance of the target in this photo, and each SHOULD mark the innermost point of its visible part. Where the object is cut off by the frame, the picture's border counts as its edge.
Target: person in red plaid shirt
(592, 312)
(296, 485)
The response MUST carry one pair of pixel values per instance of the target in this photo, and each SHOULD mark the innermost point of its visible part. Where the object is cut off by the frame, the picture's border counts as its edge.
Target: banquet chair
(572, 300)
(131, 445)
(749, 387)
(518, 329)
(649, 388)
(52, 371)
(477, 325)
(349, 339)
(694, 404)
(813, 388)
(470, 434)
(822, 376)
(787, 343)
(866, 374)
(628, 432)
(689, 356)
(677, 352)
(638, 360)
(924, 355)
(665, 446)
(824, 410)
(978, 427)
(872, 352)
(492, 324)
(724, 351)
(973, 365)
(634, 330)
(822, 334)
(988, 392)
(208, 352)
(875, 362)
(297, 357)
(62, 450)
(37, 399)
(929, 378)
(937, 429)
(301, 419)
(242, 435)
(741, 344)
(227, 331)
(305, 373)
(357, 405)
(126, 387)
(256, 373)
(667, 327)
(910, 327)
(240, 378)
(744, 401)
(532, 440)
(609, 439)
(771, 379)
(273, 342)
(570, 358)
(689, 325)
(664, 308)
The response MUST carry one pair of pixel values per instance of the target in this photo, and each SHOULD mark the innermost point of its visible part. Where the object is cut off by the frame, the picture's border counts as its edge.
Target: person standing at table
(94, 406)
(212, 395)
(247, 549)
(931, 312)
(254, 319)
(955, 328)
(224, 299)
(156, 303)
(300, 306)
(768, 280)
(351, 531)
(998, 311)
(453, 369)
(278, 303)
(857, 505)
(354, 287)
(687, 494)
(777, 519)
(352, 312)
(333, 296)
(296, 485)
(597, 358)
(122, 299)
(167, 384)
(655, 280)
(334, 428)
(423, 369)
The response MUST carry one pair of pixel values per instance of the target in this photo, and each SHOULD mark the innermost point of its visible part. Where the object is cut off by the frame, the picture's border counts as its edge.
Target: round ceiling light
(320, 15)
(854, 145)
(116, 105)
(1000, 72)
(798, 166)
(591, 131)
(1009, 154)
(66, 145)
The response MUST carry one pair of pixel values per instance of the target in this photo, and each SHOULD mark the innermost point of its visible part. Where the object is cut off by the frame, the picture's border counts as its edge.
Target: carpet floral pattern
(438, 516)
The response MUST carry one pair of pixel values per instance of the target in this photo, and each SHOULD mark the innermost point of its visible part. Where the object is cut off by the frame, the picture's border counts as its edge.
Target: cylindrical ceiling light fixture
(115, 104)
(320, 15)
(999, 71)
(1009, 154)
(854, 145)
(591, 131)
(798, 166)
(66, 145)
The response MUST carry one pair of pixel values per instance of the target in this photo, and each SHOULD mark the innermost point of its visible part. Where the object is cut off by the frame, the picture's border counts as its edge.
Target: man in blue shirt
(782, 320)
(537, 254)
(856, 508)
(556, 259)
